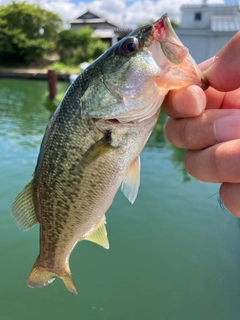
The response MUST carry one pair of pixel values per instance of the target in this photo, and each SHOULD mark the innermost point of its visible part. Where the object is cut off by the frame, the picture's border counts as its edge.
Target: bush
(27, 32)
(80, 46)
(62, 67)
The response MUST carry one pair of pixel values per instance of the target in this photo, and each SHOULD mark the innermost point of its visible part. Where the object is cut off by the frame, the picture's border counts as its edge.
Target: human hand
(208, 124)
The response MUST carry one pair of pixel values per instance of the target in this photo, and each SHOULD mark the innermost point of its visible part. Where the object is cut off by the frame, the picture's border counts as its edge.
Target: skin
(213, 155)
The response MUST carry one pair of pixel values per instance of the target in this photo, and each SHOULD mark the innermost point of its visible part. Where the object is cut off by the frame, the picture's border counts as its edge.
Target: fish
(93, 142)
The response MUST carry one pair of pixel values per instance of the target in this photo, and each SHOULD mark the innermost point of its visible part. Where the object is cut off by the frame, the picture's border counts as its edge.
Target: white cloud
(132, 12)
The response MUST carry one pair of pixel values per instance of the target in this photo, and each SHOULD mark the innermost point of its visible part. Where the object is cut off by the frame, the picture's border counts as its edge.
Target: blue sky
(129, 12)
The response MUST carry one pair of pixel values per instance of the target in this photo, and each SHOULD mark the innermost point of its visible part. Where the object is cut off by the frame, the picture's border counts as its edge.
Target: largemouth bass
(92, 144)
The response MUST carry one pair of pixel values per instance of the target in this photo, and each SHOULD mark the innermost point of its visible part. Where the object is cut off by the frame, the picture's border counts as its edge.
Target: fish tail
(68, 281)
(40, 277)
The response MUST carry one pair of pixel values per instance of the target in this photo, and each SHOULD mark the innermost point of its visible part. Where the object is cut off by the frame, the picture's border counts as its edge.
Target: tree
(27, 32)
(150, 21)
(79, 46)
(175, 24)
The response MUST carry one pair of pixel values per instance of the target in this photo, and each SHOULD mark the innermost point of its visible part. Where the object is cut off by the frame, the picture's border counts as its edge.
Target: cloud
(131, 13)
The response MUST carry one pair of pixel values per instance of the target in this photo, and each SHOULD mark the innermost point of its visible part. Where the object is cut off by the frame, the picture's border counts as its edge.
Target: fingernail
(227, 128)
(199, 102)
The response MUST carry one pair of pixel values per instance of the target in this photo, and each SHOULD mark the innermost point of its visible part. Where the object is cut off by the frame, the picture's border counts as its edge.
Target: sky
(128, 13)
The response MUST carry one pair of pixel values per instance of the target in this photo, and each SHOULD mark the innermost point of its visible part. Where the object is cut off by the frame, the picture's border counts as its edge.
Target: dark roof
(88, 15)
(93, 18)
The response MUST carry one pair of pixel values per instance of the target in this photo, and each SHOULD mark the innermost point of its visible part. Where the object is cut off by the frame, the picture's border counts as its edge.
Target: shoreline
(34, 74)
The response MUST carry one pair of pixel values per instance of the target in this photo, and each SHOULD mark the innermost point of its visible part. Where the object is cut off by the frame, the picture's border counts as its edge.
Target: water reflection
(177, 157)
(23, 117)
(158, 140)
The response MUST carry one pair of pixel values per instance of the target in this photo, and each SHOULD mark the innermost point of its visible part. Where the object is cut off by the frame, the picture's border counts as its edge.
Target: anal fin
(99, 234)
(23, 211)
(131, 181)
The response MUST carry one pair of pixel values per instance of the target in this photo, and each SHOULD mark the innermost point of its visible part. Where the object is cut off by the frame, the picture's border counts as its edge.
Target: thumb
(224, 73)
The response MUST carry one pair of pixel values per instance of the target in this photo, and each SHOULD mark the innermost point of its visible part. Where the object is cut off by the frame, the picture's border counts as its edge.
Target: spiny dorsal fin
(99, 234)
(131, 181)
(23, 211)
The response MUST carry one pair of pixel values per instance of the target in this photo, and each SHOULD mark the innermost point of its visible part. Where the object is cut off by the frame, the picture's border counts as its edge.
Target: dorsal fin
(99, 234)
(23, 211)
(131, 181)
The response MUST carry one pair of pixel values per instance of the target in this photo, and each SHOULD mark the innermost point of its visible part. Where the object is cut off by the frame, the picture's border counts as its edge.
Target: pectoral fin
(99, 234)
(23, 211)
(100, 148)
(131, 181)
(97, 150)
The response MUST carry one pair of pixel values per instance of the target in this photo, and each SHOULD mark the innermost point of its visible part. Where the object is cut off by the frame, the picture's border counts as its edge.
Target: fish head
(140, 69)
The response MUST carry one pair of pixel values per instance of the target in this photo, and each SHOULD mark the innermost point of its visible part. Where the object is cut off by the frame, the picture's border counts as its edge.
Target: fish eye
(130, 46)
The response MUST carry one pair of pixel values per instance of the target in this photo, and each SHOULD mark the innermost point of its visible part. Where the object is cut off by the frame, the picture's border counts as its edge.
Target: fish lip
(162, 31)
(204, 84)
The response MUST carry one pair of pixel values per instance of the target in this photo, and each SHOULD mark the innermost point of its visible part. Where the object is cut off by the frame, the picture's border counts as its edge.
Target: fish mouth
(204, 84)
(175, 51)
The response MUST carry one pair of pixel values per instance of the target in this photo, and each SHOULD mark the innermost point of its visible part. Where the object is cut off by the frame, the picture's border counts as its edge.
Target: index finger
(192, 101)
(224, 73)
(186, 102)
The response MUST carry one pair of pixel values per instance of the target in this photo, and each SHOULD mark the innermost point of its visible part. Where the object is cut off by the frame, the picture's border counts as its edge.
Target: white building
(206, 28)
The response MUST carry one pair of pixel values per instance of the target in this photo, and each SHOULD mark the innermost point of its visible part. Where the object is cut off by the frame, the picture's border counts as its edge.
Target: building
(109, 32)
(206, 28)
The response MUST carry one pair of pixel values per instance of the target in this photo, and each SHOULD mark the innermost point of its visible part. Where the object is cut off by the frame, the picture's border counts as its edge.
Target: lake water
(174, 254)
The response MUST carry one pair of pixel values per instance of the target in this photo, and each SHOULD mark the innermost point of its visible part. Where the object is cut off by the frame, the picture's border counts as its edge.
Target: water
(174, 254)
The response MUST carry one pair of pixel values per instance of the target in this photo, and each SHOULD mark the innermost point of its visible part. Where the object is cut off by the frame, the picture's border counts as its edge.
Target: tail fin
(68, 281)
(40, 277)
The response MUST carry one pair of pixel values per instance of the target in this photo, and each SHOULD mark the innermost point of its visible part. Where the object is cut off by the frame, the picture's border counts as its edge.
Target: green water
(174, 254)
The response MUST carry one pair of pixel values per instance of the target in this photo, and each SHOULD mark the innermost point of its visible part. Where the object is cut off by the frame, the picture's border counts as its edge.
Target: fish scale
(93, 141)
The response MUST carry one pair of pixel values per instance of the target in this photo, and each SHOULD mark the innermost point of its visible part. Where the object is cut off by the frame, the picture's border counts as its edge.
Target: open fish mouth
(175, 51)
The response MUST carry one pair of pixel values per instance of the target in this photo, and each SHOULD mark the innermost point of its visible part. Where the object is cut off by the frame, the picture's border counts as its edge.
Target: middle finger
(204, 131)
(219, 163)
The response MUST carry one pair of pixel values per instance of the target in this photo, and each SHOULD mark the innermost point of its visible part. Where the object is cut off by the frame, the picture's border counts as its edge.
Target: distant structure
(109, 32)
(206, 28)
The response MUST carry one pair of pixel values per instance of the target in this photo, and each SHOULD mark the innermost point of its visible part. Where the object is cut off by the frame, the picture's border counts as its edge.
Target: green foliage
(49, 104)
(27, 32)
(62, 67)
(175, 24)
(79, 46)
(150, 21)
